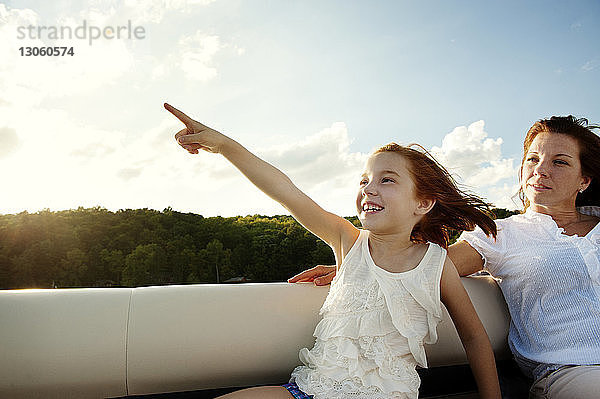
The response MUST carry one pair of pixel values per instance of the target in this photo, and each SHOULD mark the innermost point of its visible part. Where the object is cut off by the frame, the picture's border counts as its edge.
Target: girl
(385, 301)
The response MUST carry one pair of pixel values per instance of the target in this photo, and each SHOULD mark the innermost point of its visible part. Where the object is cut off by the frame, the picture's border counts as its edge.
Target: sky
(310, 86)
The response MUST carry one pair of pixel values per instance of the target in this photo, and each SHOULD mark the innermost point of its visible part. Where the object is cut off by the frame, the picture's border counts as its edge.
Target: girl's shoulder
(351, 245)
(352, 239)
(439, 257)
(348, 237)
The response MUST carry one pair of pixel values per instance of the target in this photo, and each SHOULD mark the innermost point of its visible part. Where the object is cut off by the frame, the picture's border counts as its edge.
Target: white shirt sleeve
(491, 250)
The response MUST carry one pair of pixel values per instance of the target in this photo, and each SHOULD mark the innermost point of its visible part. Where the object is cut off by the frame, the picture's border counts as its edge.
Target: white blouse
(551, 283)
(373, 328)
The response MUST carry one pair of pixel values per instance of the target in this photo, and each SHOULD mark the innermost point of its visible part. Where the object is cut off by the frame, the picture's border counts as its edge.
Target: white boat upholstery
(116, 342)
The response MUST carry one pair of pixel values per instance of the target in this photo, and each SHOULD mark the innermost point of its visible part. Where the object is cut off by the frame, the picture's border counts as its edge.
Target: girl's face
(551, 172)
(386, 197)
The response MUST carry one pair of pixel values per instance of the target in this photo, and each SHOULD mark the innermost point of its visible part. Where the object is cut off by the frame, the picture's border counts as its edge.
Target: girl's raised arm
(331, 228)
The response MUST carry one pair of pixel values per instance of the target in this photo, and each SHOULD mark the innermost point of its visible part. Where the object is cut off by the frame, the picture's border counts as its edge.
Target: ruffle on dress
(348, 298)
(413, 301)
(367, 367)
(322, 387)
(352, 326)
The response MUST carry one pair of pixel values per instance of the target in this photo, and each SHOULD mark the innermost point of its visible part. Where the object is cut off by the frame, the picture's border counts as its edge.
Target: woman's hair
(453, 209)
(589, 152)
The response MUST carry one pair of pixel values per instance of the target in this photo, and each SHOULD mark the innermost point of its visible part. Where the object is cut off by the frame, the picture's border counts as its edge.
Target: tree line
(94, 247)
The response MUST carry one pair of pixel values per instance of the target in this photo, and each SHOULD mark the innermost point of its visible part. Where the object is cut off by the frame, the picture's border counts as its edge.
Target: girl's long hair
(453, 209)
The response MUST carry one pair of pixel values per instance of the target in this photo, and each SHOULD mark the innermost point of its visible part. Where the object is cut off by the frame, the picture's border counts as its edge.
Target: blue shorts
(295, 391)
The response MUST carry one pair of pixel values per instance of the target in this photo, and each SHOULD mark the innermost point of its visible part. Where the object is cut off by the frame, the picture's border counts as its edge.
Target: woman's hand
(196, 136)
(320, 275)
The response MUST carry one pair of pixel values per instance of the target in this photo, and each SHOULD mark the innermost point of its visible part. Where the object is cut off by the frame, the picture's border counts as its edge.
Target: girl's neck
(390, 243)
(395, 253)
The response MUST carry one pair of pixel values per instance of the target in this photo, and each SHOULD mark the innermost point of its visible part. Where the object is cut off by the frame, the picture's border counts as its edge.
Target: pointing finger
(187, 121)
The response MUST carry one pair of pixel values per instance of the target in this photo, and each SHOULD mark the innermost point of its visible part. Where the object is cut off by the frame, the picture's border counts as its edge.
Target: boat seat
(112, 342)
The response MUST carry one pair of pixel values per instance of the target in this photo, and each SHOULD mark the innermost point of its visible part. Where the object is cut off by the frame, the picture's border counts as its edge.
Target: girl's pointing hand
(196, 136)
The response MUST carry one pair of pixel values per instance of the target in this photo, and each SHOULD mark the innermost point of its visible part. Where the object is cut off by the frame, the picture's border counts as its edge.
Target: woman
(547, 260)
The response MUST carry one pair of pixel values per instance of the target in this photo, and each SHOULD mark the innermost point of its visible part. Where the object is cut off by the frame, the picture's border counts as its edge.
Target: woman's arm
(320, 275)
(471, 331)
(334, 230)
(465, 258)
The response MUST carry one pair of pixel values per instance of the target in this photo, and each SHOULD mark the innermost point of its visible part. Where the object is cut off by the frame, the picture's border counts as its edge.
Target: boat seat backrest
(131, 341)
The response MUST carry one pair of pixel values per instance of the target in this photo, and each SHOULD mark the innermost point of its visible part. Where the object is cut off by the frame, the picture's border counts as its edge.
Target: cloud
(590, 65)
(196, 53)
(321, 156)
(576, 25)
(477, 162)
(129, 173)
(104, 167)
(504, 196)
(323, 166)
(93, 150)
(90, 68)
(142, 11)
(491, 174)
(105, 63)
(8, 141)
(155, 10)
(68, 162)
(475, 158)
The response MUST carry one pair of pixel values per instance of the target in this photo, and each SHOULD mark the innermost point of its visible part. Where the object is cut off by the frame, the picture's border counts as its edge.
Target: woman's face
(551, 172)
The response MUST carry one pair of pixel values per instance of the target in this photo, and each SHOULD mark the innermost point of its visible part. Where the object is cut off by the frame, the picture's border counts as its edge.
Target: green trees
(145, 265)
(73, 268)
(133, 247)
(214, 260)
(94, 247)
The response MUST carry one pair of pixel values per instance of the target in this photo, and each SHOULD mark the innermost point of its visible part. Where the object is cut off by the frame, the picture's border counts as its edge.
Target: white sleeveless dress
(374, 325)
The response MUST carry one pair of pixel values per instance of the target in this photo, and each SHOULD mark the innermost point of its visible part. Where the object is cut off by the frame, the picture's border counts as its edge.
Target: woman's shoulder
(510, 232)
(524, 222)
(504, 227)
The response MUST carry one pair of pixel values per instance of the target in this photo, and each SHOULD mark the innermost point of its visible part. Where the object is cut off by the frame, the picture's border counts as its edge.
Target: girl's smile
(372, 207)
